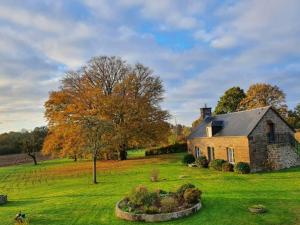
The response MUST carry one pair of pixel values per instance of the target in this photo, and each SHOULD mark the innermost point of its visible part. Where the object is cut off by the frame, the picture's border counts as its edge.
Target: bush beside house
(202, 162)
(217, 164)
(242, 168)
(188, 159)
(227, 167)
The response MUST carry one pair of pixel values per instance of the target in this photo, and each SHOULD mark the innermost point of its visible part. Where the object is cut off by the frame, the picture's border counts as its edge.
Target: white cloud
(223, 42)
(38, 46)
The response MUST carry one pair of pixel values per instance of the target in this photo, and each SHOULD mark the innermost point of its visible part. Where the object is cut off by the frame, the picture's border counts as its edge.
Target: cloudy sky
(199, 48)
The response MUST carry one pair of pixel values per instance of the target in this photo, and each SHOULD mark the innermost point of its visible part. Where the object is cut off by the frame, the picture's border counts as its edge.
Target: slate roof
(234, 124)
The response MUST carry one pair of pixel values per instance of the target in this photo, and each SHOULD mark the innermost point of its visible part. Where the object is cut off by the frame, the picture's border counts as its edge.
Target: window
(230, 155)
(210, 153)
(197, 152)
(209, 131)
(271, 131)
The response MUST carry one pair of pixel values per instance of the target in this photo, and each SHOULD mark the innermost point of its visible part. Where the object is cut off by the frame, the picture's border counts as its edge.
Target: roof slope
(234, 124)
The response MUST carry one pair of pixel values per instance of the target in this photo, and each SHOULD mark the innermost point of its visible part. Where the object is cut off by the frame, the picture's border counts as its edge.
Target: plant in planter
(140, 196)
(141, 203)
(169, 204)
(180, 191)
(192, 195)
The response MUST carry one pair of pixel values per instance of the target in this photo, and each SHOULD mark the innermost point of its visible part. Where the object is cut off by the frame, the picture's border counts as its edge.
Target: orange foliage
(107, 90)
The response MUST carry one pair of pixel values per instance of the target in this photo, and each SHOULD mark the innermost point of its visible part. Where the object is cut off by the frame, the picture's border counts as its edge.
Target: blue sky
(198, 48)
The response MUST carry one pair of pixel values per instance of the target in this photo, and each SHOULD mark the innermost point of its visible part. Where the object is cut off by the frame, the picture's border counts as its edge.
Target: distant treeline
(13, 142)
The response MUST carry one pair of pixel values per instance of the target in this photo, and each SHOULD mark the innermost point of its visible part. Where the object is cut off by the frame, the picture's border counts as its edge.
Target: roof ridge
(243, 111)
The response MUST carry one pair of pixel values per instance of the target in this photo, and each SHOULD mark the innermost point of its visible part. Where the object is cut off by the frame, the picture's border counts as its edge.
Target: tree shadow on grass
(288, 170)
(21, 203)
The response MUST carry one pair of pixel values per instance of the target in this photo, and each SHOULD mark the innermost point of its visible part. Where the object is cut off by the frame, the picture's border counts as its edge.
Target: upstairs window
(209, 131)
(230, 155)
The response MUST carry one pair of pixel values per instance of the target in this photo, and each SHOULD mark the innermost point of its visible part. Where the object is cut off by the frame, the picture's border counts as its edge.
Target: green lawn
(60, 192)
(136, 153)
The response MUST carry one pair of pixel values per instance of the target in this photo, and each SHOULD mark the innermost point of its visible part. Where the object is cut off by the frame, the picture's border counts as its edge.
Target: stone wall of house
(220, 144)
(258, 141)
(282, 156)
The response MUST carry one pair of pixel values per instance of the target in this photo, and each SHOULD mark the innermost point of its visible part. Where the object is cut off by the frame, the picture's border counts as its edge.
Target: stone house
(260, 137)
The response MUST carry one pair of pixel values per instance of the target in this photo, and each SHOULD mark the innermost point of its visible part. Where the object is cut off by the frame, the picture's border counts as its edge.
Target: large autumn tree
(261, 94)
(230, 101)
(107, 104)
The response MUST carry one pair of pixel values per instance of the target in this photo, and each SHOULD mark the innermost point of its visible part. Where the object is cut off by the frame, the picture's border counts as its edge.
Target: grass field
(60, 192)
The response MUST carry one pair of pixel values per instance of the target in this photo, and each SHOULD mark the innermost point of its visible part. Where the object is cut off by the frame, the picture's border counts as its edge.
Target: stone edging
(156, 217)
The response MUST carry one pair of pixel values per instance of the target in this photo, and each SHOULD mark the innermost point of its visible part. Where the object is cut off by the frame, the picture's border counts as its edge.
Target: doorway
(210, 153)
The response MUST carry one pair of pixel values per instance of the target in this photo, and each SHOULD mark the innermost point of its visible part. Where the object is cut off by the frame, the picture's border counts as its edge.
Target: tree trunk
(75, 158)
(95, 169)
(33, 157)
(123, 152)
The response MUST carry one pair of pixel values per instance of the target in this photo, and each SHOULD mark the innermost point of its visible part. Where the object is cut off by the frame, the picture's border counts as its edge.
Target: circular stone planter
(3, 199)
(257, 209)
(156, 217)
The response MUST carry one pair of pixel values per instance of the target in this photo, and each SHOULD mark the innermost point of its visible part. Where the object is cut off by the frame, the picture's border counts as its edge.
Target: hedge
(176, 148)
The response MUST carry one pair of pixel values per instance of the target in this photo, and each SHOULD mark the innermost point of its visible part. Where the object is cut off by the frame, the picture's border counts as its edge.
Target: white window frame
(230, 155)
(211, 153)
(197, 152)
(209, 131)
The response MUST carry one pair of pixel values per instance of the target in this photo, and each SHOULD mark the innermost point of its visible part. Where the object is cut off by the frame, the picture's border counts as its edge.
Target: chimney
(205, 112)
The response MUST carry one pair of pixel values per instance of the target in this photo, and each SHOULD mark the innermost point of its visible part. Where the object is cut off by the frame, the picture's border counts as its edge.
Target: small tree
(230, 101)
(33, 141)
(97, 132)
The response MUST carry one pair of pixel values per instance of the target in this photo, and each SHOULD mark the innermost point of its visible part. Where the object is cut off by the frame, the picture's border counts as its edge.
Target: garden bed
(156, 217)
(159, 205)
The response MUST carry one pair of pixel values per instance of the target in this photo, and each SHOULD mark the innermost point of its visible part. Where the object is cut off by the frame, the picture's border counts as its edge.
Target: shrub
(151, 210)
(192, 195)
(183, 188)
(168, 204)
(217, 164)
(154, 175)
(161, 192)
(227, 167)
(202, 162)
(152, 199)
(242, 167)
(176, 148)
(188, 158)
(141, 196)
